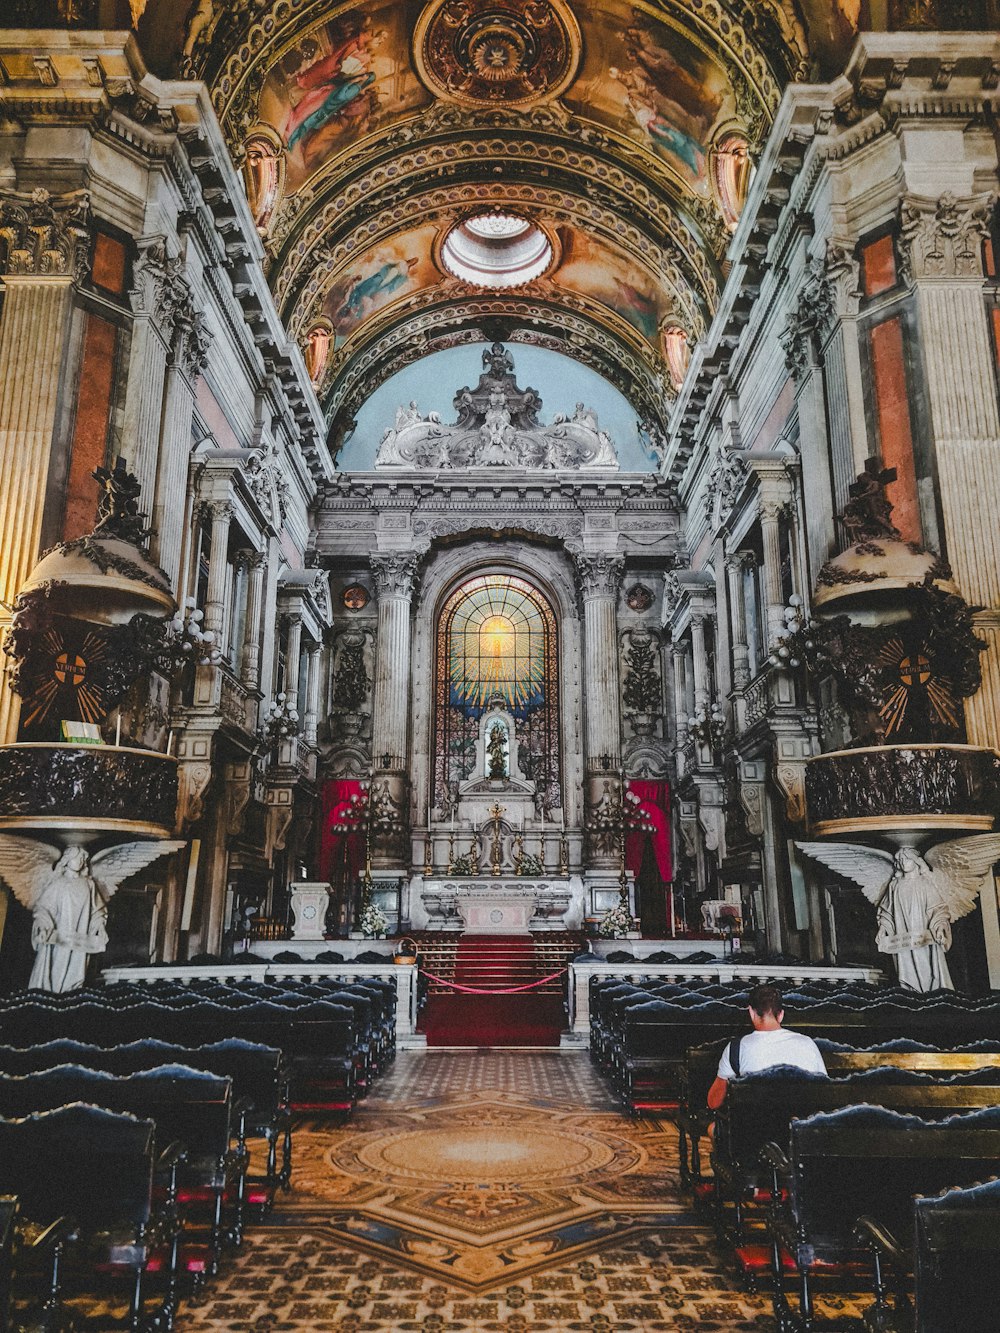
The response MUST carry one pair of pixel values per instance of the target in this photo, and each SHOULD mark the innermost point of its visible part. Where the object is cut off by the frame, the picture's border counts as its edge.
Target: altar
(498, 906)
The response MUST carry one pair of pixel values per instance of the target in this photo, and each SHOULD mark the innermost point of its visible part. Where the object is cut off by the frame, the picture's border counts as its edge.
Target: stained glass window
(496, 646)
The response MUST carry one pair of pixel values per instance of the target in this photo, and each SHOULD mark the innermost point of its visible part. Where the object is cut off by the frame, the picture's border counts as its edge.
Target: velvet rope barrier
(510, 990)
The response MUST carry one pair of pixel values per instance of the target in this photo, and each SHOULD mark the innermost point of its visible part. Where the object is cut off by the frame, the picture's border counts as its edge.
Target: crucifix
(496, 849)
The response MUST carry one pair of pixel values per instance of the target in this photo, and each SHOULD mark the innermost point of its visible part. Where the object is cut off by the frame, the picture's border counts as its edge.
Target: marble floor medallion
(481, 1192)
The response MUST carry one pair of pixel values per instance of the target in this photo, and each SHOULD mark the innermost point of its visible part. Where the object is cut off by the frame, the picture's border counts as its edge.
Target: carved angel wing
(960, 866)
(24, 863)
(868, 867)
(115, 864)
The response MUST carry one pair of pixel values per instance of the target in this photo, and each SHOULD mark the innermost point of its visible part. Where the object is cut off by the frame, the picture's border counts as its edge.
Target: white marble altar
(524, 905)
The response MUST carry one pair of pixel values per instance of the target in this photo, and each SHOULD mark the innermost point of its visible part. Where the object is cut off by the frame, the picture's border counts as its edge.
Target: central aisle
(488, 1191)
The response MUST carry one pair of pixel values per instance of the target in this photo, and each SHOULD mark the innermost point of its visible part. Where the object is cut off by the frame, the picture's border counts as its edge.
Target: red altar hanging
(335, 843)
(653, 808)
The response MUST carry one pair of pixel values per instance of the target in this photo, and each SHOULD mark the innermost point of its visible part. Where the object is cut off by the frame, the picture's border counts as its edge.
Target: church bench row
(759, 1109)
(979, 1061)
(401, 976)
(113, 1181)
(639, 1039)
(846, 1184)
(258, 1074)
(334, 1046)
(190, 1107)
(584, 972)
(951, 1252)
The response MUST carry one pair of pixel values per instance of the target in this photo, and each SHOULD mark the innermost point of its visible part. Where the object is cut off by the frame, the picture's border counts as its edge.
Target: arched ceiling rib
(380, 125)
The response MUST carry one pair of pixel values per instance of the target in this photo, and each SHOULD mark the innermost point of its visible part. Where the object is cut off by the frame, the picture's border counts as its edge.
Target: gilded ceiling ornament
(503, 52)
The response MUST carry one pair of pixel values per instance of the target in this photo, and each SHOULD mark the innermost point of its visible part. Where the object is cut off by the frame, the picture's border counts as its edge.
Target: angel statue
(67, 892)
(917, 897)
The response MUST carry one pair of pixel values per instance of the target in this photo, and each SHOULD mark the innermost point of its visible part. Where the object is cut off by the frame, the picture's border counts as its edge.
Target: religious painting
(496, 649)
(386, 273)
(340, 81)
(596, 269)
(648, 80)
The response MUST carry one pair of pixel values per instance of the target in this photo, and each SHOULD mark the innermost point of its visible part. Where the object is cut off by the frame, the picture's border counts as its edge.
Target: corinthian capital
(600, 575)
(46, 233)
(943, 238)
(394, 575)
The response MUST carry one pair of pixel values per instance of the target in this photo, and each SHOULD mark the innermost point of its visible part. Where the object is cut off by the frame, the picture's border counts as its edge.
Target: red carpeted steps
(495, 963)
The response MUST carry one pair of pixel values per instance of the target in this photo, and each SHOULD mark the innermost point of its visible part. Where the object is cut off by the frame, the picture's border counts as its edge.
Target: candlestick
(563, 855)
(451, 850)
(428, 856)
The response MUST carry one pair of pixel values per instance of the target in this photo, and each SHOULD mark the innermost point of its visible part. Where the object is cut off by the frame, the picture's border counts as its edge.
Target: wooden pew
(97, 1167)
(187, 1106)
(702, 1062)
(871, 1161)
(760, 1107)
(951, 1252)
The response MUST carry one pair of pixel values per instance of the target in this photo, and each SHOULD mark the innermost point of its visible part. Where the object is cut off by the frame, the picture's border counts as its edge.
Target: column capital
(737, 561)
(218, 511)
(943, 238)
(600, 575)
(47, 235)
(394, 575)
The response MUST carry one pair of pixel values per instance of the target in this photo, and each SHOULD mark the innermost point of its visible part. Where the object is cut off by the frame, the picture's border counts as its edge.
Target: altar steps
(458, 968)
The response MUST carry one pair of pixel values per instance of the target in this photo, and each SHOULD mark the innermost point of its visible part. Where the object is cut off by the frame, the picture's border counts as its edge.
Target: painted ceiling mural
(616, 139)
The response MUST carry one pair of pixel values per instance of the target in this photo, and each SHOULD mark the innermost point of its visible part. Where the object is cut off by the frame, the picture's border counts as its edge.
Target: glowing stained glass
(496, 645)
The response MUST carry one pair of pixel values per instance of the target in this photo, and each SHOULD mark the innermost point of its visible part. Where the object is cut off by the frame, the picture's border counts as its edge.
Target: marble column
(771, 512)
(188, 358)
(250, 655)
(47, 243)
(394, 577)
(735, 566)
(679, 652)
(293, 658)
(942, 240)
(600, 578)
(311, 720)
(221, 513)
(152, 337)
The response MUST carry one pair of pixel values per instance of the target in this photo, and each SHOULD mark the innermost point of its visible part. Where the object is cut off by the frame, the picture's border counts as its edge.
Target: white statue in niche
(498, 752)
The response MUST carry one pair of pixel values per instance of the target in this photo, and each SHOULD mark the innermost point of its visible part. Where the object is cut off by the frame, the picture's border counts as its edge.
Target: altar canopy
(653, 808)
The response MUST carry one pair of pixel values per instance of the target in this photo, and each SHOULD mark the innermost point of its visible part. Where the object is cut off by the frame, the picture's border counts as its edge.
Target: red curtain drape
(653, 808)
(336, 804)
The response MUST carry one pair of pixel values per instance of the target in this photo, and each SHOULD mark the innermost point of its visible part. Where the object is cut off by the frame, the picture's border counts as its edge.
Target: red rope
(510, 990)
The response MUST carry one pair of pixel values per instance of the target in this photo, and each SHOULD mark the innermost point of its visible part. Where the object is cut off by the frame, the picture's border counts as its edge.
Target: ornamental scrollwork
(944, 237)
(45, 233)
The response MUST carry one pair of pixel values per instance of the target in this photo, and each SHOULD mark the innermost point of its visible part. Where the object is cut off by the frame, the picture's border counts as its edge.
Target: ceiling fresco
(625, 132)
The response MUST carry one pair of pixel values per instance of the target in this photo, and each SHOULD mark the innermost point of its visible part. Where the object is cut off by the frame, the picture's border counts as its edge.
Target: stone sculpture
(67, 892)
(917, 897)
(497, 426)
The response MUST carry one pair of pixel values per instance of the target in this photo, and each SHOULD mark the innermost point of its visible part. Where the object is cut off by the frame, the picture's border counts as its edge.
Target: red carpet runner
(496, 962)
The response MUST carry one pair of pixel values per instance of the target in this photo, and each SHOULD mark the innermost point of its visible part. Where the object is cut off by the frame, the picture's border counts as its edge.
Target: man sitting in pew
(768, 1045)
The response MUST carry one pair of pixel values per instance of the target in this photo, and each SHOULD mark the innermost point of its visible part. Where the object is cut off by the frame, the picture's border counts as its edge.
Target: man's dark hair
(766, 1000)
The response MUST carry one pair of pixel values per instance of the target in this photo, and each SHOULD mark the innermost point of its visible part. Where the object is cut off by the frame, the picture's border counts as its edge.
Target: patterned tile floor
(483, 1191)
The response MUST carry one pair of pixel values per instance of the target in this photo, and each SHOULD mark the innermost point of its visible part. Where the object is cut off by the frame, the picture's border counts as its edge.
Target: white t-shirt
(763, 1050)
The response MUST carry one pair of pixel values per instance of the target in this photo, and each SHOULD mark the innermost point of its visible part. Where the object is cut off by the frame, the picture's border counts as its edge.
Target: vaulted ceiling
(623, 133)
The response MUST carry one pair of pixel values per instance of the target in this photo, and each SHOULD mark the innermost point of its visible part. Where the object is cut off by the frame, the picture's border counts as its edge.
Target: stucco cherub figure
(917, 897)
(67, 892)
